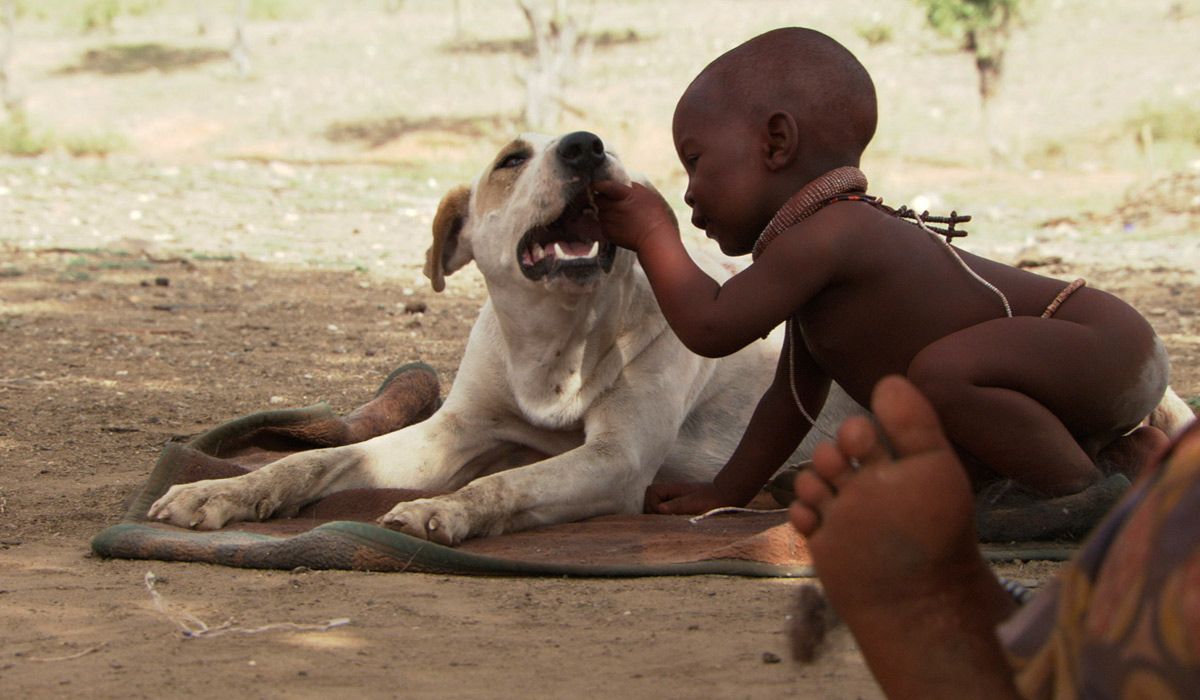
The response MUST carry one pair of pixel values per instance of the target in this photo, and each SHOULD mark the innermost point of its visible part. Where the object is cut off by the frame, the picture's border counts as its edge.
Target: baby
(1035, 380)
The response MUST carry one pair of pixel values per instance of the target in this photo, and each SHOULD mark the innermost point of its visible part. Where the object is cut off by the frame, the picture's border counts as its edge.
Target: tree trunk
(203, 17)
(557, 44)
(458, 21)
(239, 52)
(8, 100)
(988, 48)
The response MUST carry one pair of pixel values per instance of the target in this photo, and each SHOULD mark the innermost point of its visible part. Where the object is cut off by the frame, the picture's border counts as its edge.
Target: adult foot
(893, 542)
(906, 516)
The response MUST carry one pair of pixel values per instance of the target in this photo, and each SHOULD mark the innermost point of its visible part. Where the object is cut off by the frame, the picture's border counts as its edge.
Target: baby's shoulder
(846, 223)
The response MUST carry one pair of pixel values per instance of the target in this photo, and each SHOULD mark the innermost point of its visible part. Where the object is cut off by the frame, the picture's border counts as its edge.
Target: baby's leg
(1035, 400)
(895, 549)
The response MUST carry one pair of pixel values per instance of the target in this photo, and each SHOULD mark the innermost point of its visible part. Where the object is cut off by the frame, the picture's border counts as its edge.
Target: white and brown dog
(572, 395)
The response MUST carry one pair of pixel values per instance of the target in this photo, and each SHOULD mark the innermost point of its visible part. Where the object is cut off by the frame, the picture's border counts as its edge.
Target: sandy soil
(110, 355)
(187, 280)
(116, 355)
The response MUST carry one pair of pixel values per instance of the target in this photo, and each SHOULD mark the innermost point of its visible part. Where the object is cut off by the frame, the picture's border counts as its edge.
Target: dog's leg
(280, 488)
(428, 456)
(608, 474)
(601, 477)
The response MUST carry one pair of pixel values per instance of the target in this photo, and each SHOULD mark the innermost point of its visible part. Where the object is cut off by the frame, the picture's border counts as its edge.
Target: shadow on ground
(373, 133)
(124, 59)
(525, 45)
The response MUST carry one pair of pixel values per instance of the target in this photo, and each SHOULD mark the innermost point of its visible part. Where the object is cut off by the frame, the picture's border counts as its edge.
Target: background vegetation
(983, 103)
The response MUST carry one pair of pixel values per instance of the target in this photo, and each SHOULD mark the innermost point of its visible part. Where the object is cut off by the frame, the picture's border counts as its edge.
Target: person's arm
(711, 319)
(692, 301)
(635, 217)
(774, 432)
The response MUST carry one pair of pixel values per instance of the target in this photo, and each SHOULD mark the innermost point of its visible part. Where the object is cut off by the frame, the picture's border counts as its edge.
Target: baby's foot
(893, 542)
(1130, 453)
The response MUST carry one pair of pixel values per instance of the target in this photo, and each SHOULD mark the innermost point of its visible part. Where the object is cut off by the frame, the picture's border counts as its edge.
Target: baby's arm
(711, 319)
(774, 432)
(636, 218)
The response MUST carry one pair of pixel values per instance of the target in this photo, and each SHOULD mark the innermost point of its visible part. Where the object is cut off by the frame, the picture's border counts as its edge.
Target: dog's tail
(1172, 414)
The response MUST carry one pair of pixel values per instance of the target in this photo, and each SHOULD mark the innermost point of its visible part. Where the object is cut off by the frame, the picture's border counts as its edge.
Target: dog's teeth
(538, 252)
(562, 253)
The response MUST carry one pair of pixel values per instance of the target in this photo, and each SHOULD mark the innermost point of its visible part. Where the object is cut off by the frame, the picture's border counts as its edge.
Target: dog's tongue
(576, 249)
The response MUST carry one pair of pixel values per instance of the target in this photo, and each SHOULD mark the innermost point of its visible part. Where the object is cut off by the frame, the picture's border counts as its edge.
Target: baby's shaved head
(802, 72)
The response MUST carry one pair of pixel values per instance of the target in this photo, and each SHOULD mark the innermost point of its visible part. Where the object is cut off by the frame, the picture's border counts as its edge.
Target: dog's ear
(443, 256)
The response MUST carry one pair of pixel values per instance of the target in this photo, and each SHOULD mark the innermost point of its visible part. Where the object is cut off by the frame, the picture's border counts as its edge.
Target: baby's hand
(683, 498)
(631, 215)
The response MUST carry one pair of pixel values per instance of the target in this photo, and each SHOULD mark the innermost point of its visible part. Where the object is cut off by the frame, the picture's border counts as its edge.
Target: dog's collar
(809, 200)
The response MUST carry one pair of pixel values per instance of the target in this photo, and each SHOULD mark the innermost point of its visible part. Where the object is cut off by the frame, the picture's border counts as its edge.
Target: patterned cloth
(1122, 620)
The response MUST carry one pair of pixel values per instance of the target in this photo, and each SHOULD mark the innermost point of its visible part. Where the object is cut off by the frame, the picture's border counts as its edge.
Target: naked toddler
(1034, 379)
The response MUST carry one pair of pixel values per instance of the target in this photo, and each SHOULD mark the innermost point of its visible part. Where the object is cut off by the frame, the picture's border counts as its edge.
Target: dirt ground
(109, 355)
(115, 355)
(256, 243)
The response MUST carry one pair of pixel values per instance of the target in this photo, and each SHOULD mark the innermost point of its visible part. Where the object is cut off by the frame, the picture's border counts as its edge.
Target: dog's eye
(512, 160)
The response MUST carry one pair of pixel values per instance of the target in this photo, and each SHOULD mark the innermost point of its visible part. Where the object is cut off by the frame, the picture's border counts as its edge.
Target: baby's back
(897, 288)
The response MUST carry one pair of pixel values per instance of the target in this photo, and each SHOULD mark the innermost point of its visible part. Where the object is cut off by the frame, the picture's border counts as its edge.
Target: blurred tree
(458, 23)
(239, 52)
(8, 37)
(983, 29)
(203, 18)
(558, 47)
(100, 15)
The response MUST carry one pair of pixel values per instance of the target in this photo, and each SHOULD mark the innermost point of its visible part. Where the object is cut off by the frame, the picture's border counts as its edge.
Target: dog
(572, 395)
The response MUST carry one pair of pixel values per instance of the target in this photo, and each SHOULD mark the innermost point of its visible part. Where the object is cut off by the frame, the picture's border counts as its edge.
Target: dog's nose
(582, 151)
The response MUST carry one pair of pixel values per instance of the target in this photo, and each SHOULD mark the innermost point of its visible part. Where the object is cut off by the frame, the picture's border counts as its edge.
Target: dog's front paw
(208, 505)
(438, 520)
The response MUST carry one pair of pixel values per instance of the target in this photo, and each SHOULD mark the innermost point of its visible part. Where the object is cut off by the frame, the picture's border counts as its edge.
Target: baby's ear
(449, 251)
(782, 140)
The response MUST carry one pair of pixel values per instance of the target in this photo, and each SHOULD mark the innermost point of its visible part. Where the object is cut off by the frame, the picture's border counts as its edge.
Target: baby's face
(725, 172)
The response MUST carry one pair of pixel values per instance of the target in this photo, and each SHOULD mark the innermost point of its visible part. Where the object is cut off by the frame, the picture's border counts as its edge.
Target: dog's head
(530, 210)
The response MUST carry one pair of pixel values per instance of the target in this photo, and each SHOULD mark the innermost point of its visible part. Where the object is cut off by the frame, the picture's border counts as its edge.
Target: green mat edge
(430, 557)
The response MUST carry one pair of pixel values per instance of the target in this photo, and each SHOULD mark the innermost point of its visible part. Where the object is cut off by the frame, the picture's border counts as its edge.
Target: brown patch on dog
(495, 189)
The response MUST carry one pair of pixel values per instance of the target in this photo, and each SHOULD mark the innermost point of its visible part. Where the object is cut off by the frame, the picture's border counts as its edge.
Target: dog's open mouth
(570, 245)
